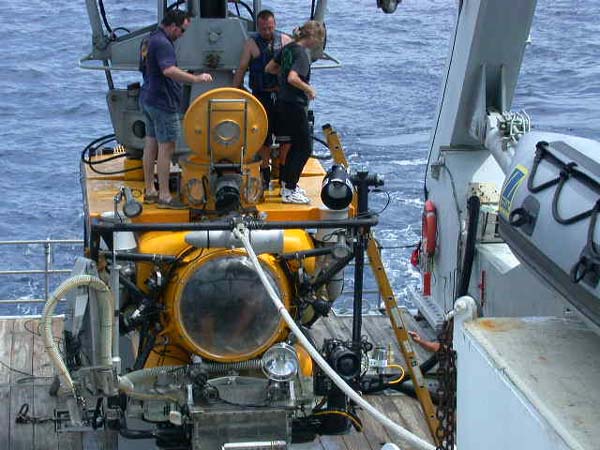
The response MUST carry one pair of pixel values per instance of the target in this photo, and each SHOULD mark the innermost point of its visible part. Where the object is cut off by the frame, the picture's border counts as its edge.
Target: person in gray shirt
(292, 64)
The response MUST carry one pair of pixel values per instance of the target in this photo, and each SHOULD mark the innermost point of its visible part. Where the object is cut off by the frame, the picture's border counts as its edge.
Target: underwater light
(131, 208)
(337, 189)
(388, 6)
(227, 192)
(280, 362)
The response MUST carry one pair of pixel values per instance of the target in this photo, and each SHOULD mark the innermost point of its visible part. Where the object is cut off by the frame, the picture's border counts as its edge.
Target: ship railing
(50, 272)
(375, 294)
(47, 269)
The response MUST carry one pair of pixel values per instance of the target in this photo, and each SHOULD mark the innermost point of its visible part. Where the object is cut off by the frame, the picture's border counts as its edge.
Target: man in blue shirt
(161, 102)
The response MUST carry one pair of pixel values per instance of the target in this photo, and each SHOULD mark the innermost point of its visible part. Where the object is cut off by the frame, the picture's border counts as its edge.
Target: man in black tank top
(258, 51)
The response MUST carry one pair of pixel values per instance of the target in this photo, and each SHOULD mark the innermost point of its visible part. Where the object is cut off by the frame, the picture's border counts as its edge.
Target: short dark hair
(265, 14)
(175, 16)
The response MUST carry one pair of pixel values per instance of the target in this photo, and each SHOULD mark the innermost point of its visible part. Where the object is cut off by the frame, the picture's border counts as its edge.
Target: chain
(446, 391)
(23, 416)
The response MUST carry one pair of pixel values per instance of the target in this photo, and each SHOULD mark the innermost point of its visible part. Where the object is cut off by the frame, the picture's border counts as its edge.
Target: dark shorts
(269, 101)
(160, 124)
(292, 123)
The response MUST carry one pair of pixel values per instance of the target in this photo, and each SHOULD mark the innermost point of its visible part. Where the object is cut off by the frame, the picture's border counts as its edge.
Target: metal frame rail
(48, 271)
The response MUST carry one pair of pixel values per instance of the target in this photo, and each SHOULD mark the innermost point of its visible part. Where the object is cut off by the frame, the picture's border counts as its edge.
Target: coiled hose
(106, 303)
(409, 437)
(131, 382)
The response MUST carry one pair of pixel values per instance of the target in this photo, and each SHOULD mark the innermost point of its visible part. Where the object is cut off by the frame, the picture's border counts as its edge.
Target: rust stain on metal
(498, 325)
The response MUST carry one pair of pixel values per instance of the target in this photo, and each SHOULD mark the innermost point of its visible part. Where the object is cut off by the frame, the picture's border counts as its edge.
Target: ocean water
(382, 101)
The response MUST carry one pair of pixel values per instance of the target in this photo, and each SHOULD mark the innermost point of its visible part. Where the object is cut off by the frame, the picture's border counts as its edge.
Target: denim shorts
(160, 124)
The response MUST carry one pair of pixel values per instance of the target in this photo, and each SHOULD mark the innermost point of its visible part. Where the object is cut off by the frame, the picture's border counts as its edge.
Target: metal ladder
(391, 307)
(396, 318)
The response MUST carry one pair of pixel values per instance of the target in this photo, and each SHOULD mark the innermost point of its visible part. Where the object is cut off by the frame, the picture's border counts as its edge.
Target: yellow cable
(401, 377)
(356, 423)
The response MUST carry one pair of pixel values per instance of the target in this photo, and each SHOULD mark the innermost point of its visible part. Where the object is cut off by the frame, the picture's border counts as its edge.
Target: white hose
(130, 383)
(409, 437)
(105, 311)
(127, 386)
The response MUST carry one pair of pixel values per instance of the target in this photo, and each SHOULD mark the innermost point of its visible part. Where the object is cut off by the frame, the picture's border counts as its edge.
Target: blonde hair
(311, 29)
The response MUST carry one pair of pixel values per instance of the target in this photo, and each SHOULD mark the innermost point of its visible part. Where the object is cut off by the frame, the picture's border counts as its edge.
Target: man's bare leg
(150, 152)
(163, 167)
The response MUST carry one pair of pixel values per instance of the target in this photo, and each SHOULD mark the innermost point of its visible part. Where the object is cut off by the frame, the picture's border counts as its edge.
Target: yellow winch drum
(222, 310)
(225, 124)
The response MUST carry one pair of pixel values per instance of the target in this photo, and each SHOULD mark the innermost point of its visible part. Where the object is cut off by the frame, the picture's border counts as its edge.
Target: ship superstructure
(508, 256)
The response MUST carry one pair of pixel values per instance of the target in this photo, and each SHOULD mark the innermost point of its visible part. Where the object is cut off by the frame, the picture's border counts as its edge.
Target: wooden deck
(25, 377)
(26, 374)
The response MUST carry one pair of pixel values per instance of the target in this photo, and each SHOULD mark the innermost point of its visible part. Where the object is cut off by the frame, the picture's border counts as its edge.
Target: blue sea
(382, 101)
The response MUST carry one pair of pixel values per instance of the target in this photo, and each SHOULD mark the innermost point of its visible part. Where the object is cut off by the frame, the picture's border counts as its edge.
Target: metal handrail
(47, 271)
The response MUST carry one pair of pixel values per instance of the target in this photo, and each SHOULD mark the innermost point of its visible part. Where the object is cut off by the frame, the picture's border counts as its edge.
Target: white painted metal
(505, 287)
(482, 69)
(527, 383)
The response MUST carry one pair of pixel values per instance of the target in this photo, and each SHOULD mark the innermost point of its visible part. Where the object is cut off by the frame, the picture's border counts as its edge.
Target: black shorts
(292, 124)
(269, 101)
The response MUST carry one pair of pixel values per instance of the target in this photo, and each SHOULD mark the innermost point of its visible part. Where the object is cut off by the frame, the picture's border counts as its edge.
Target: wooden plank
(44, 436)
(411, 415)
(21, 356)
(21, 435)
(314, 445)
(4, 416)
(380, 329)
(373, 431)
(388, 407)
(335, 327)
(70, 441)
(21, 362)
(357, 441)
(345, 325)
(6, 329)
(319, 333)
(374, 434)
(333, 443)
(43, 369)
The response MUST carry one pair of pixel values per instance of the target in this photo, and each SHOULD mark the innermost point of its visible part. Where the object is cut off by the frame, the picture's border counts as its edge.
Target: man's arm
(427, 345)
(295, 80)
(175, 73)
(238, 78)
(272, 67)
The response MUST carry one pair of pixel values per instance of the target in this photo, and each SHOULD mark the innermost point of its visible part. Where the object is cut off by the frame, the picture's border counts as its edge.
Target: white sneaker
(298, 188)
(295, 196)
